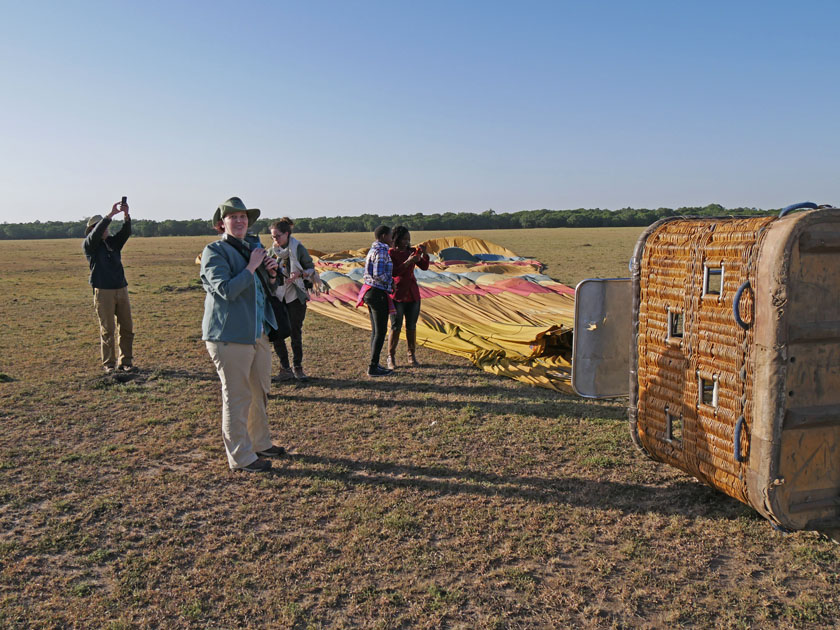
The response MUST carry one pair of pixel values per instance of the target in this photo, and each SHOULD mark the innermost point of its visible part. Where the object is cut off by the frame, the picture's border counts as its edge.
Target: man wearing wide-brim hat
(110, 288)
(235, 204)
(239, 279)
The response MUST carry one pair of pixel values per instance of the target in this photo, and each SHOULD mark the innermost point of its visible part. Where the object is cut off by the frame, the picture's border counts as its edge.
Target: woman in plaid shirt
(378, 284)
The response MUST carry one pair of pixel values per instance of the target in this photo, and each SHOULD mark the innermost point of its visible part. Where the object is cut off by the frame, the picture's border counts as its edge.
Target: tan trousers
(245, 372)
(111, 303)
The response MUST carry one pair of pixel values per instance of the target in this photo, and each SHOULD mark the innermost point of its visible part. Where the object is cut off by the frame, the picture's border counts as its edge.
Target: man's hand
(257, 257)
(115, 210)
(124, 208)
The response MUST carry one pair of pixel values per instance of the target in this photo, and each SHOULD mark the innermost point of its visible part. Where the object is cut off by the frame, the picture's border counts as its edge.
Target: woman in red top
(406, 294)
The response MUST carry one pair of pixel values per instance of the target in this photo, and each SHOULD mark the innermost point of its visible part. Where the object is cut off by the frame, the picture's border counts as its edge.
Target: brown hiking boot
(411, 342)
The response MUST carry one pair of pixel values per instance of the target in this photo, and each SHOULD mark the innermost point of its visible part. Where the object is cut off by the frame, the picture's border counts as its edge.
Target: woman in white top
(299, 273)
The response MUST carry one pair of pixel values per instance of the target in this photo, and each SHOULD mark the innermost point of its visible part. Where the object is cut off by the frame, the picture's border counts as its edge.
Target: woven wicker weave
(669, 369)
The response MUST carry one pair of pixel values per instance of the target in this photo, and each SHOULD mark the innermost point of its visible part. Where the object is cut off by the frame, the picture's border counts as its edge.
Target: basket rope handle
(798, 206)
(736, 308)
(736, 445)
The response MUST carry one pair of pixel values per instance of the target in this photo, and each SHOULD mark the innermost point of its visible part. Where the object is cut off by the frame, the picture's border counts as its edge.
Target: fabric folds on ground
(495, 308)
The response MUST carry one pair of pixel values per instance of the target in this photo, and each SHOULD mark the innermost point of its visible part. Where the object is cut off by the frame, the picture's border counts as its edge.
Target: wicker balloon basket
(735, 364)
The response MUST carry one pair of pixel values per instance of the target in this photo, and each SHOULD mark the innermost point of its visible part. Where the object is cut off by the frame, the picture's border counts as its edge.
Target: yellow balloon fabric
(495, 308)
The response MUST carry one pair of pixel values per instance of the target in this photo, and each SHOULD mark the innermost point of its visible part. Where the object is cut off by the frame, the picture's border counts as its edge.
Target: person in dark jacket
(110, 288)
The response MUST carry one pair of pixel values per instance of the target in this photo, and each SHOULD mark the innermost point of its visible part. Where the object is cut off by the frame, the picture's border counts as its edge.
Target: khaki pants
(111, 303)
(245, 372)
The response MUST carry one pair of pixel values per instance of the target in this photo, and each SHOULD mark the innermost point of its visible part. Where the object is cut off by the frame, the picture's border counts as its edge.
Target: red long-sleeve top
(405, 284)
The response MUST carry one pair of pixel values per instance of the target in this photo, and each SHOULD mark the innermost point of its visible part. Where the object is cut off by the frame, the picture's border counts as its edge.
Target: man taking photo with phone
(110, 288)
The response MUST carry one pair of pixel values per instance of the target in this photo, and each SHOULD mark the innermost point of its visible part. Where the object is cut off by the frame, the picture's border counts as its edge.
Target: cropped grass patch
(599, 461)
(441, 496)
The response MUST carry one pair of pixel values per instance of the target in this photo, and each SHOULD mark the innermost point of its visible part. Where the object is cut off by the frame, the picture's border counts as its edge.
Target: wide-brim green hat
(234, 204)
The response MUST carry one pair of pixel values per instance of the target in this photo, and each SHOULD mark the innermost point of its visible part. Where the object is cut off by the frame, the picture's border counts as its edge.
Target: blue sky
(325, 108)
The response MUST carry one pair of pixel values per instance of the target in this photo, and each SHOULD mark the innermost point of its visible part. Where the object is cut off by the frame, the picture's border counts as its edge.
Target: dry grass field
(440, 497)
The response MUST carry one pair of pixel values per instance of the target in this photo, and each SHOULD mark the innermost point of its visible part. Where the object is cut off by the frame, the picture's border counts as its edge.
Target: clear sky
(317, 108)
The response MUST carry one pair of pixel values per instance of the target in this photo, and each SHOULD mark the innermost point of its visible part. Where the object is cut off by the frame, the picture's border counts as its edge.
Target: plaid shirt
(378, 267)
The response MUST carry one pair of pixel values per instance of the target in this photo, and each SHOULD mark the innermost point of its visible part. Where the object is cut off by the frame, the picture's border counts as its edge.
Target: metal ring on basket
(736, 309)
(797, 206)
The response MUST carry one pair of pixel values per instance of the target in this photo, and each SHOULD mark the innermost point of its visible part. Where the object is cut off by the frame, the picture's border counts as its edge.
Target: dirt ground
(439, 497)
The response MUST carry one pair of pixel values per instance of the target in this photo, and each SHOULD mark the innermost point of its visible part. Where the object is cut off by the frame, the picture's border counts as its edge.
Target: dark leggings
(409, 310)
(377, 302)
(297, 313)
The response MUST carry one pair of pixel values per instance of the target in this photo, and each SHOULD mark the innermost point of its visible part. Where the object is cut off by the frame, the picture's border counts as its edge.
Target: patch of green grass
(807, 609)
(132, 576)
(395, 598)
(440, 597)
(469, 412)
(60, 536)
(827, 554)
(103, 505)
(293, 614)
(368, 593)
(62, 505)
(7, 548)
(194, 610)
(81, 589)
(400, 522)
(326, 486)
(100, 556)
(520, 580)
(599, 461)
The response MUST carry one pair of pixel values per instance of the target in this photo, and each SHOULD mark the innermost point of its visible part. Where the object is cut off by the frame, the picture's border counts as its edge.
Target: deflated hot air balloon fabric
(480, 301)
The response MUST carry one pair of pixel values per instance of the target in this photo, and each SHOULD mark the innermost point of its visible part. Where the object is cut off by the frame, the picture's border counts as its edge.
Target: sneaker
(274, 451)
(285, 374)
(258, 465)
(391, 363)
(109, 369)
(378, 370)
(126, 368)
(299, 373)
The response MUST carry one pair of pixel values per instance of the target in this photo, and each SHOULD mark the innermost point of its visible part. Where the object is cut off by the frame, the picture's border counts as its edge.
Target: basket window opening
(675, 324)
(713, 280)
(673, 426)
(708, 390)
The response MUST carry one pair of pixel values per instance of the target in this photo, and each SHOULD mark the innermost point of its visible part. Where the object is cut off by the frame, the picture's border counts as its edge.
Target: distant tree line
(488, 220)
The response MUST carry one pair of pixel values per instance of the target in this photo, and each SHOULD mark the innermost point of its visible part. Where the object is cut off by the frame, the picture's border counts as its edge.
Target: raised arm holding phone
(406, 294)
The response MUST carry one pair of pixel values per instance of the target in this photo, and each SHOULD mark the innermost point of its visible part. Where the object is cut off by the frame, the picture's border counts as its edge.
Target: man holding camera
(239, 277)
(110, 288)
